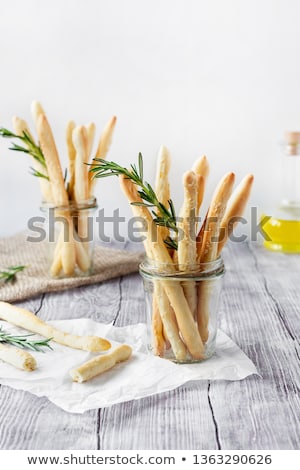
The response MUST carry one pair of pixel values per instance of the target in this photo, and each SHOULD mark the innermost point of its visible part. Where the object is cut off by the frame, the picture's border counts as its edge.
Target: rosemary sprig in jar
(165, 216)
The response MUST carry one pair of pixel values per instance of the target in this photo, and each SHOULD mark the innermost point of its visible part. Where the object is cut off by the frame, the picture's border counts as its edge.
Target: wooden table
(259, 310)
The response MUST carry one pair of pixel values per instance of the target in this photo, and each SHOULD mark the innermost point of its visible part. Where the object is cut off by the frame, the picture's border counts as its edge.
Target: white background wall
(216, 77)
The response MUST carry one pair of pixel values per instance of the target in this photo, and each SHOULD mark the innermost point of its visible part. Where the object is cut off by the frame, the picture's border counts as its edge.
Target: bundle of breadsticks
(25, 361)
(71, 253)
(180, 316)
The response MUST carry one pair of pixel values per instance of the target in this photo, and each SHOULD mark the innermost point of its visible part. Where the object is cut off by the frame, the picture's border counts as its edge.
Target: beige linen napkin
(34, 280)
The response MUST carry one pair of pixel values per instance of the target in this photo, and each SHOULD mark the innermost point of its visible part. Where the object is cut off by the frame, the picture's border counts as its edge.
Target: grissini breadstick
(174, 291)
(186, 223)
(18, 358)
(210, 247)
(103, 148)
(187, 236)
(71, 155)
(235, 208)
(100, 364)
(201, 168)
(80, 142)
(169, 321)
(27, 320)
(214, 216)
(90, 129)
(21, 126)
(52, 160)
(162, 186)
(59, 192)
(158, 341)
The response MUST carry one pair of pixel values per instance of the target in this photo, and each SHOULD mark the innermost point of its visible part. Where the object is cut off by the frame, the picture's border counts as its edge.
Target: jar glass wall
(182, 309)
(70, 237)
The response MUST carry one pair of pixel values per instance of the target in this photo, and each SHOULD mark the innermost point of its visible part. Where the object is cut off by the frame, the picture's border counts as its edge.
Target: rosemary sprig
(30, 148)
(9, 274)
(164, 216)
(21, 341)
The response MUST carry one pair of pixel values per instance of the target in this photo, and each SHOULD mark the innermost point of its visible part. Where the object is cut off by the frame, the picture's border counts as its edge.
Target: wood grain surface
(259, 310)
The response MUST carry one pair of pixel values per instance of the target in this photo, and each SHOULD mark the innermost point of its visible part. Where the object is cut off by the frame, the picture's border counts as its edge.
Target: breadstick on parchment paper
(235, 209)
(102, 149)
(174, 291)
(16, 357)
(100, 364)
(27, 320)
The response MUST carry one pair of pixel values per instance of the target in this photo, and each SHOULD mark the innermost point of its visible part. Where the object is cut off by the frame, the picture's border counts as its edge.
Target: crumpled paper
(141, 376)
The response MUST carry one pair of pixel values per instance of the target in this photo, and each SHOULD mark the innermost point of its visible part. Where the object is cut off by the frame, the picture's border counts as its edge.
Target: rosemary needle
(22, 341)
(9, 274)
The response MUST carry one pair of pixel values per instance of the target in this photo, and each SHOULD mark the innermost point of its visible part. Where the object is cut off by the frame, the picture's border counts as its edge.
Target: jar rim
(90, 203)
(211, 269)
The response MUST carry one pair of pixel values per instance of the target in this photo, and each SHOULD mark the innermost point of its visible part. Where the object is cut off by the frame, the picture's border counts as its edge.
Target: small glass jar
(70, 236)
(182, 309)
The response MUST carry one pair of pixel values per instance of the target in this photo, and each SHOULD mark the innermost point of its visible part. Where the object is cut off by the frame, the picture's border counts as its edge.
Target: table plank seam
(213, 418)
(274, 300)
(41, 303)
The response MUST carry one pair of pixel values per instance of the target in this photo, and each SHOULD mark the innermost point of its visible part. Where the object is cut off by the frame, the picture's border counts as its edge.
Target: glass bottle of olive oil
(283, 228)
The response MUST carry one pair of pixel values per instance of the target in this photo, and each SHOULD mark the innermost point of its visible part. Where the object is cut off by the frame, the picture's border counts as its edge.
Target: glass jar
(182, 309)
(70, 236)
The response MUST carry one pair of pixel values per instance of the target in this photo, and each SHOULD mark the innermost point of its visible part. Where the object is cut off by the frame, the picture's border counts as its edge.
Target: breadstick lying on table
(16, 357)
(27, 320)
(100, 364)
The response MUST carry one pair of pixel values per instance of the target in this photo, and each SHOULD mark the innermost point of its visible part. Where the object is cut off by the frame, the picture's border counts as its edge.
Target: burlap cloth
(108, 263)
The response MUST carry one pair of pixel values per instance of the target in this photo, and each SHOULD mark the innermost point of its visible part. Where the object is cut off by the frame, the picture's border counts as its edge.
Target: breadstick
(173, 289)
(169, 322)
(16, 357)
(209, 247)
(36, 111)
(215, 214)
(26, 319)
(71, 155)
(158, 341)
(102, 149)
(162, 187)
(21, 126)
(52, 160)
(186, 223)
(80, 142)
(187, 237)
(100, 364)
(90, 129)
(235, 209)
(201, 168)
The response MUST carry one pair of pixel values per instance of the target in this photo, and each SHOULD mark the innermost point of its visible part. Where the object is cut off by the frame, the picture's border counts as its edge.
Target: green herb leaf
(21, 341)
(9, 274)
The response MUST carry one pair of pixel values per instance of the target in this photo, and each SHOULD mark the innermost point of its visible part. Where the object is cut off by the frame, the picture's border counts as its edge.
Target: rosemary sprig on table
(29, 147)
(164, 216)
(21, 341)
(9, 274)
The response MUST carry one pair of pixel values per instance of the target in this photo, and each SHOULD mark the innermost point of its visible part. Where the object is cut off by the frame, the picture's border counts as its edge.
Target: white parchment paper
(143, 375)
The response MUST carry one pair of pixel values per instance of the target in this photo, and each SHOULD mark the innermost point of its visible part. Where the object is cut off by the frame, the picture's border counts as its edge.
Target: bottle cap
(293, 141)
